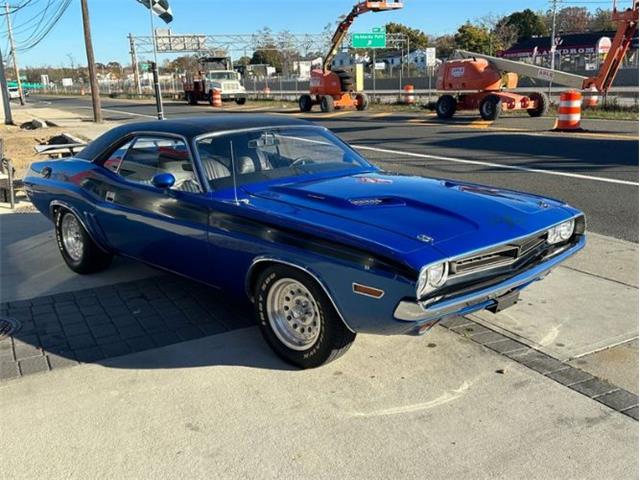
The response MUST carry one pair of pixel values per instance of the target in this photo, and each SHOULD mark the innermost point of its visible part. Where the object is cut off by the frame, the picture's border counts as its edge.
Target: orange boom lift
(490, 79)
(334, 89)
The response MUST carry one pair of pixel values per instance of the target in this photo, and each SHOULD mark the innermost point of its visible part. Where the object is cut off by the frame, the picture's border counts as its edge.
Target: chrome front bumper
(419, 312)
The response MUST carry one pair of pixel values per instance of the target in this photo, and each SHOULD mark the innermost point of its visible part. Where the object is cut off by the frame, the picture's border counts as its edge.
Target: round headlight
(562, 232)
(565, 230)
(432, 278)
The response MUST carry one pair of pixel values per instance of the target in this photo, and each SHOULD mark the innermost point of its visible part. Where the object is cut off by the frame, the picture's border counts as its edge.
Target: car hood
(408, 214)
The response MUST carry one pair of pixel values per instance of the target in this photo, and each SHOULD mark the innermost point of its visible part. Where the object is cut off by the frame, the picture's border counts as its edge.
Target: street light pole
(12, 45)
(8, 119)
(552, 52)
(91, 63)
(156, 73)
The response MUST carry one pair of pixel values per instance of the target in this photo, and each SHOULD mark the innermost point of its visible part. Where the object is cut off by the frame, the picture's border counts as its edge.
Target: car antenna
(233, 174)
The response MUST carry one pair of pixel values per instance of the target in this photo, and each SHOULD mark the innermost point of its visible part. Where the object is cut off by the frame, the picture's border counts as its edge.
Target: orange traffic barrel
(592, 97)
(216, 98)
(409, 95)
(569, 111)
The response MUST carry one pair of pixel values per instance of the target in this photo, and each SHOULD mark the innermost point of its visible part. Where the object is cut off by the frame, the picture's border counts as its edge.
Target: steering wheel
(301, 161)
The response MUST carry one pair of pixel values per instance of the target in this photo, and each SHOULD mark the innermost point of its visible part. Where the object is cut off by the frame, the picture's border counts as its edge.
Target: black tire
(305, 103)
(191, 99)
(241, 100)
(326, 104)
(446, 106)
(490, 107)
(543, 104)
(91, 259)
(333, 339)
(362, 101)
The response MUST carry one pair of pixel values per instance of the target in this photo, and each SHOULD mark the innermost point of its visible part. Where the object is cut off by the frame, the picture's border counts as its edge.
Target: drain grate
(8, 327)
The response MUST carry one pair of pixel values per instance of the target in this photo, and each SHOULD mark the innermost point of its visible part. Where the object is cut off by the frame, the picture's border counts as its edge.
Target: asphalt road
(596, 171)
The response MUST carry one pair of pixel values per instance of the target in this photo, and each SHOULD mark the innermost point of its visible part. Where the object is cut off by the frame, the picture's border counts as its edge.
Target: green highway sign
(145, 67)
(369, 40)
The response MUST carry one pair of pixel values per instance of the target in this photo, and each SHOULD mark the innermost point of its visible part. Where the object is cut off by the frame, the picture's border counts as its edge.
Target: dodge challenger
(279, 210)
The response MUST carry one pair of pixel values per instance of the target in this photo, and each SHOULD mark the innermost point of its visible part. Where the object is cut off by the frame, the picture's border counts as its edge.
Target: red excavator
(334, 89)
(490, 79)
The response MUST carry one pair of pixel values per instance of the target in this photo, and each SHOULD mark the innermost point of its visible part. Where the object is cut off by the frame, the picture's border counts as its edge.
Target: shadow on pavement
(96, 324)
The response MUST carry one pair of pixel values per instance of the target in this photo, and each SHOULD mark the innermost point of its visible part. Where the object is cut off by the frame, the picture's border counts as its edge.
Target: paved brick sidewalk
(98, 323)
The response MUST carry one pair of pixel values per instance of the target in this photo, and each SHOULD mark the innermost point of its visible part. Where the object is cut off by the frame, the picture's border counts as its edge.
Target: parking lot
(144, 373)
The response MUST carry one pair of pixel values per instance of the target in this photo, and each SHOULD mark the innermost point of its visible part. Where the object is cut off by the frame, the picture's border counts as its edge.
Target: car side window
(149, 156)
(115, 159)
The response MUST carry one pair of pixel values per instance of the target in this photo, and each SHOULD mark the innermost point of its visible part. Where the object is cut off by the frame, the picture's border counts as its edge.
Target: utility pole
(4, 91)
(552, 52)
(91, 61)
(134, 64)
(12, 45)
(156, 73)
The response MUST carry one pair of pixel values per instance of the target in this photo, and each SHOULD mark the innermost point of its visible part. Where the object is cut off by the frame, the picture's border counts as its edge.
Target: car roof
(188, 127)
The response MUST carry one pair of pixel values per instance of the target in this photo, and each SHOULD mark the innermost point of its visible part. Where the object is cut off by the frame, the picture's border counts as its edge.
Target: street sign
(430, 57)
(145, 67)
(380, 65)
(369, 40)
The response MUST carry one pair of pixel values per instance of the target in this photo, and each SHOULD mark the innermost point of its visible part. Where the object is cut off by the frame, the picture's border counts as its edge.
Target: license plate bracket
(505, 301)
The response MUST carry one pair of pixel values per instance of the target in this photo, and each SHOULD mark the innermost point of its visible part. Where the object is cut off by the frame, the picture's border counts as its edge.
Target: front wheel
(298, 320)
(327, 104)
(362, 101)
(305, 103)
(490, 107)
(79, 251)
(542, 104)
(446, 106)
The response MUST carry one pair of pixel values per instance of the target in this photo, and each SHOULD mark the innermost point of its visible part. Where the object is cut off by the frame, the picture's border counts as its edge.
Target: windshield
(222, 76)
(267, 154)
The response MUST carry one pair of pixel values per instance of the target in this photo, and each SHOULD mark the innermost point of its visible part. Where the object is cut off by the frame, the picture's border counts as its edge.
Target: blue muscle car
(323, 243)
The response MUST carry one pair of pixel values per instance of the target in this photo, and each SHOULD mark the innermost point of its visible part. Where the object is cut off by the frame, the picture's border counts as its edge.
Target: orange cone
(409, 96)
(216, 98)
(592, 98)
(569, 113)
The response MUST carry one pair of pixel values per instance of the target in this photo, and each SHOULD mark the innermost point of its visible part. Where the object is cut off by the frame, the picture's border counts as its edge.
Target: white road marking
(417, 407)
(499, 165)
(124, 113)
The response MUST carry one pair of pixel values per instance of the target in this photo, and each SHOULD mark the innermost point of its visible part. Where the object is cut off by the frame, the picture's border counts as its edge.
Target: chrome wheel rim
(72, 237)
(293, 314)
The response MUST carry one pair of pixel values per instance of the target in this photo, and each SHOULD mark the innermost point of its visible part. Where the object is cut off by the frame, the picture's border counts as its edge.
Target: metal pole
(8, 119)
(91, 63)
(14, 54)
(134, 64)
(156, 83)
(374, 73)
(553, 41)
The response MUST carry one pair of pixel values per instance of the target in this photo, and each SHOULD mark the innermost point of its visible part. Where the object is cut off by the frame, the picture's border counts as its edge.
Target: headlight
(561, 233)
(431, 278)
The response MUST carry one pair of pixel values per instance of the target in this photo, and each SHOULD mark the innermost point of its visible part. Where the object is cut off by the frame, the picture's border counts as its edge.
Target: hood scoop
(377, 202)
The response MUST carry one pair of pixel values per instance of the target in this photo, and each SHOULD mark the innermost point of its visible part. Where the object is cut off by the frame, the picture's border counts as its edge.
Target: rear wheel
(326, 104)
(78, 250)
(297, 318)
(542, 104)
(305, 103)
(241, 100)
(191, 99)
(446, 106)
(490, 107)
(362, 101)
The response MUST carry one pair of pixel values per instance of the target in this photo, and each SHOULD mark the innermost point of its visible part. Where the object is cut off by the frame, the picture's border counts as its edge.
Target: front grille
(501, 256)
